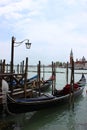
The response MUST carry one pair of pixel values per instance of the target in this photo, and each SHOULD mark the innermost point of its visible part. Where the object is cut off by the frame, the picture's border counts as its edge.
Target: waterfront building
(79, 63)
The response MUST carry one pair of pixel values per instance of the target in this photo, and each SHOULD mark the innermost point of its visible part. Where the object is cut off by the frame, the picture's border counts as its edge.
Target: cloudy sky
(52, 26)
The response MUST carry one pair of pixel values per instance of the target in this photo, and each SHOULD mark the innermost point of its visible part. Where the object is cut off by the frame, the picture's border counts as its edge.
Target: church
(78, 64)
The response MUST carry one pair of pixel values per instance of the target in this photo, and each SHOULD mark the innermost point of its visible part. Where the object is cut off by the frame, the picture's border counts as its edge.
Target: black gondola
(34, 104)
(82, 81)
(44, 101)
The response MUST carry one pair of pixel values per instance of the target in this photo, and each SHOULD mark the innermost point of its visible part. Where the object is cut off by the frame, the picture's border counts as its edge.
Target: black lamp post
(28, 45)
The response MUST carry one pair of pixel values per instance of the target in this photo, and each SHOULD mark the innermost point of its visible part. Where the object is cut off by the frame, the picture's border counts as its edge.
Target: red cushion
(67, 88)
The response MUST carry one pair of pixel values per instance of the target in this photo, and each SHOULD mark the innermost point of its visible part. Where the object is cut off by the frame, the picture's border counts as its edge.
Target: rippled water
(58, 118)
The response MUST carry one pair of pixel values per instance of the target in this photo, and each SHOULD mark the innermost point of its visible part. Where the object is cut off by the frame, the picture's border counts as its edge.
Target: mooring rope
(5, 104)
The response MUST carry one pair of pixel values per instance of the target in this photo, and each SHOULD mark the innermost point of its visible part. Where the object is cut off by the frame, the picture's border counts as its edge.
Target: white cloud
(18, 7)
(70, 2)
(5, 2)
(75, 2)
(54, 26)
(5, 49)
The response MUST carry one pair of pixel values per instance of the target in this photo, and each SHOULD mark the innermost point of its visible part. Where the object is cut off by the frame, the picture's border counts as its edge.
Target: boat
(44, 86)
(41, 85)
(33, 83)
(35, 77)
(22, 81)
(43, 101)
(82, 81)
(18, 92)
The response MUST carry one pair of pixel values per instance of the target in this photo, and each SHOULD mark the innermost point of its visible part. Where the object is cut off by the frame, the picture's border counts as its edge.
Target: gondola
(33, 83)
(41, 85)
(82, 81)
(40, 100)
(43, 101)
(22, 81)
(44, 86)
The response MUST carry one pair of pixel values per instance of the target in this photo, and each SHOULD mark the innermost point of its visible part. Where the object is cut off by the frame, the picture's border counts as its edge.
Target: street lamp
(15, 44)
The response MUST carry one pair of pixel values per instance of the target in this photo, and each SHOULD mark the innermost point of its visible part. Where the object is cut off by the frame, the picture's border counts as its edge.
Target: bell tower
(71, 56)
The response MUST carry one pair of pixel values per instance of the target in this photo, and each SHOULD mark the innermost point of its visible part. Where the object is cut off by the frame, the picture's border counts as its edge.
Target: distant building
(78, 64)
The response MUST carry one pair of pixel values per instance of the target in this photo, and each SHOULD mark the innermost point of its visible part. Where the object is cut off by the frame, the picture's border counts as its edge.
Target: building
(78, 64)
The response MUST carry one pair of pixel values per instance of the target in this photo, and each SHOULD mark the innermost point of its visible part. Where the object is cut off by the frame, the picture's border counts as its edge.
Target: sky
(54, 27)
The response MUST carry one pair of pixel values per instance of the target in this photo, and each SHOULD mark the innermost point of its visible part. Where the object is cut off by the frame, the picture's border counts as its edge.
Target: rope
(5, 104)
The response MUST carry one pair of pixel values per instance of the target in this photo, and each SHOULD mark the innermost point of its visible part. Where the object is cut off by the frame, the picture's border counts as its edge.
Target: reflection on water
(15, 122)
(61, 117)
(5, 125)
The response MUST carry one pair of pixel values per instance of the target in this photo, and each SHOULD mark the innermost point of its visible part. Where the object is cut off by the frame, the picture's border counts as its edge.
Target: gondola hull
(28, 105)
(82, 81)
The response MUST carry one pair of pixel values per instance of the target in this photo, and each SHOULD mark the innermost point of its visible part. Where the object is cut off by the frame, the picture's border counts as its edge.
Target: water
(57, 118)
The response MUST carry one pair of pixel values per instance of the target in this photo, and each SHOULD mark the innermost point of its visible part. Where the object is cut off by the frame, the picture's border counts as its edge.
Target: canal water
(58, 118)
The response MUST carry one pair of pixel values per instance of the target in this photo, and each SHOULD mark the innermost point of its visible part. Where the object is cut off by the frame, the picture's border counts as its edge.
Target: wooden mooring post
(39, 76)
(72, 86)
(53, 77)
(25, 84)
(2, 66)
(67, 73)
(52, 80)
(43, 72)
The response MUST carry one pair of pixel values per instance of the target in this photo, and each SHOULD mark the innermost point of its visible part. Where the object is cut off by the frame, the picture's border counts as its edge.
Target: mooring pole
(43, 72)
(12, 63)
(52, 79)
(25, 85)
(54, 76)
(67, 73)
(72, 85)
(39, 67)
